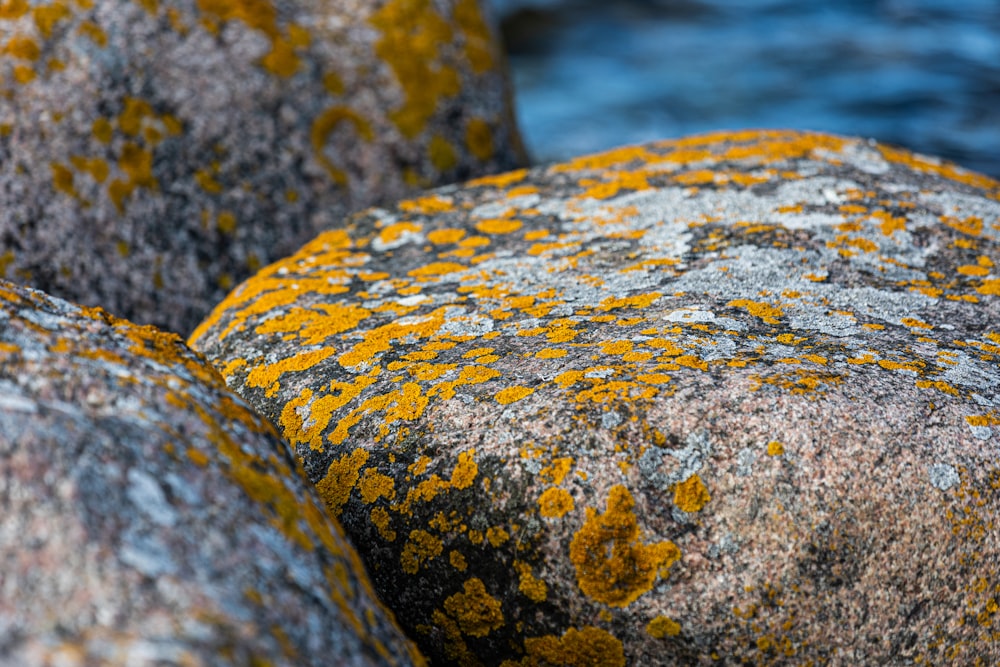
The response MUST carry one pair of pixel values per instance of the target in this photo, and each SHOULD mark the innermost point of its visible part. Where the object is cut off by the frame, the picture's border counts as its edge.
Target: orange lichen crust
(476, 611)
(628, 386)
(691, 494)
(587, 647)
(613, 566)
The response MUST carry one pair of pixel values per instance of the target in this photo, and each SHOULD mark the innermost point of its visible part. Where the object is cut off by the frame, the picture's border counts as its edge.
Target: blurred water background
(592, 74)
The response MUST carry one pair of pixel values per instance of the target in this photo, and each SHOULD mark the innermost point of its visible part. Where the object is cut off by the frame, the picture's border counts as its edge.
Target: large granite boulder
(154, 153)
(149, 517)
(728, 399)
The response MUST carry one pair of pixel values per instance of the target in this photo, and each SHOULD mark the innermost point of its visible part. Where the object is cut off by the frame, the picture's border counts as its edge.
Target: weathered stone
(154, 153)
(149, 517)
(729, 398)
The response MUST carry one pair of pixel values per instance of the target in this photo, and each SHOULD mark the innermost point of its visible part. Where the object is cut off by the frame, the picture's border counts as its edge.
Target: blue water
(923, 74)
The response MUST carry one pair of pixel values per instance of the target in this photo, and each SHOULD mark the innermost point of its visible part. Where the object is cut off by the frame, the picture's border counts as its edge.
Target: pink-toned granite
(149, 517)
(154, 153)
(730, 399)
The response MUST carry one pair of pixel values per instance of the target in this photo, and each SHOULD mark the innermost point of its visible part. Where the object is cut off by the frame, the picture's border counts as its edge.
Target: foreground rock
(153, 154)
(729, 398)
(148, 516)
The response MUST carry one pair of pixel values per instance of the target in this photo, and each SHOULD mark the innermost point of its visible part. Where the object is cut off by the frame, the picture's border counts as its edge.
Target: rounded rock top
(733, 397)
(149, 516)
(153, 153)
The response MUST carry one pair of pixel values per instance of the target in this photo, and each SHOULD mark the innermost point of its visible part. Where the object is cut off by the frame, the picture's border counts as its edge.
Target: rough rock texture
(149, 517)
(155, 152)
(732, 397)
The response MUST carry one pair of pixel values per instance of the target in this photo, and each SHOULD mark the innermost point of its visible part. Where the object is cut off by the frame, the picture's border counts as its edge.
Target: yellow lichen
(24, 74)
(499, 180)
(457, 561)
(315, 325)
(613, 566)
(499, 226)
(412, 34)
(479, 139)
(775, 448)
(475, 610)
(324, 125)
(207, 182)
(443, 236)
(379, 517)
(13, 9)
(281, 59)
(455, 647)
(465, 470)
(691, 494)
(429, 205)
(533, 588)
(991, 287)
(131, 117)
(102, 130)
(299, 430)
(22, 47)
(554, 503)
(587, 647)
(764, 311)
(421, 547)
(226, 223)
(442, 153)
(374, 485)
(268, 376)
(436, 269)
(137, 164)
(478, 41)
(46, 16)
(341, 476)
(635, 301)
(556, 472)
(96, 167)
(6, 259)
(198, 457)
(512, 394)
(496, 536)
(94, 32)
(661, 627)
(62, 179)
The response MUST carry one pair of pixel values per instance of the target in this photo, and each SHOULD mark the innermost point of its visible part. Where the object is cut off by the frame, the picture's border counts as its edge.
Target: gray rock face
(731, 399)
(149, 517)
(154, 153)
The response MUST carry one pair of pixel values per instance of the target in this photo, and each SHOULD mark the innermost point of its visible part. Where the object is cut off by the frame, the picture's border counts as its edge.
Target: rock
(149, 517)
(722, 400)
(155, 153)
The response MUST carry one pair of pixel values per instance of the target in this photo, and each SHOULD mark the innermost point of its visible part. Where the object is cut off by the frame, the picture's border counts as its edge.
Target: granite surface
(730, 399)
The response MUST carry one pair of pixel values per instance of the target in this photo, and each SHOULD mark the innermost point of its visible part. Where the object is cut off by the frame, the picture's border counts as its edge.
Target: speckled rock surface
(154, 153)
(149, 517)
(728, 399)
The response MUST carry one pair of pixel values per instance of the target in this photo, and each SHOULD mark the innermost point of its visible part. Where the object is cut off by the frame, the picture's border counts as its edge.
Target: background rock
(728, 398)
(149, 517)
(154, 153)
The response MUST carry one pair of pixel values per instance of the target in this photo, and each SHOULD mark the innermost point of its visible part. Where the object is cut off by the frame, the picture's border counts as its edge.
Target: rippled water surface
(918, 73)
